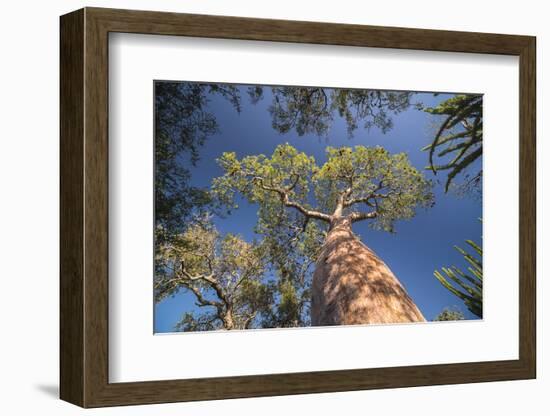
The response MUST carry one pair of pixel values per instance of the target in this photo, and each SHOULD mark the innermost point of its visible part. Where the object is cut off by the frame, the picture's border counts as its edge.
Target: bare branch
(359, 216)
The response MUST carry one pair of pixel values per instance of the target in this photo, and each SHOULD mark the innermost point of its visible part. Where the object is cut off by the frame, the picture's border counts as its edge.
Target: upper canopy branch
(368, 198)
(209, 279)
(285, 198)
(185, 281)
(359, 216)
(389, 186)
(200, 298)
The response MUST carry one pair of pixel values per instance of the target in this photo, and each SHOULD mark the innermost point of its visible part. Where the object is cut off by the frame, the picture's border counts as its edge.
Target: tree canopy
(183, 122)
(450, 314)
(224, 273)
(361, 182)
(312, 109)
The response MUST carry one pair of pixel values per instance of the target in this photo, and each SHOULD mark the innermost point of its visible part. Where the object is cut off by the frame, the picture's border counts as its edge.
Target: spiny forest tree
(351, 285)
(467, 286)
(458, 140)
(312, 109)
(224, 274)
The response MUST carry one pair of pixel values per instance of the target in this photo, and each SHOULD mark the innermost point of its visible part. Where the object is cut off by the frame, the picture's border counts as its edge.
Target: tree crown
(223, 272)
(358, 183)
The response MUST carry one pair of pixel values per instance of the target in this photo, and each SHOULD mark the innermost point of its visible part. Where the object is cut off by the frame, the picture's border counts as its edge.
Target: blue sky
(417, 248)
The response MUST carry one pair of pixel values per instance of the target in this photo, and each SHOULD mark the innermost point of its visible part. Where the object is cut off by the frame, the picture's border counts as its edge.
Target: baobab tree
(223, 273)
(351, 284)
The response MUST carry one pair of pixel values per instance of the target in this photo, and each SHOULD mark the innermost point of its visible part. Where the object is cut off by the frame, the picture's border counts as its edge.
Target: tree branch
(367, 199)
(342, 198)
(200, 298)
(359, 216)
(294, 183)
(373, 195)
(285, 199)
(249, 320)
(209, 279)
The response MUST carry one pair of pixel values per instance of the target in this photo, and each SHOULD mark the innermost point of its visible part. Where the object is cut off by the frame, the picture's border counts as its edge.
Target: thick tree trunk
(351, 285)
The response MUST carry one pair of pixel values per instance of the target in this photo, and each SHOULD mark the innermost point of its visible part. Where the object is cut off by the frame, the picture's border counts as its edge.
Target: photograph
(301, 206)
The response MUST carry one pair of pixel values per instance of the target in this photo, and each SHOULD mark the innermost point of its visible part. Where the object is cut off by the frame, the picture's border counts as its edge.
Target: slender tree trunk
(228, 322)
(351, 285)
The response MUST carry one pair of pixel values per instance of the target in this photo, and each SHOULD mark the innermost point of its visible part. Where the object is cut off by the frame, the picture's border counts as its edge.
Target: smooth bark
(351, 285)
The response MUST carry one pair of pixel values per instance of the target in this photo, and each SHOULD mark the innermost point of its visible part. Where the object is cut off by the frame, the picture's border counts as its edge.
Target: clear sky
(417, 248)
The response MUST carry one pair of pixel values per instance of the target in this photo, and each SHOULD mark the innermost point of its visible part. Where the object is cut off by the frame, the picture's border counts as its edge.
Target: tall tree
(351, 284)
(458, 140)
(312, 109)
(224, 274)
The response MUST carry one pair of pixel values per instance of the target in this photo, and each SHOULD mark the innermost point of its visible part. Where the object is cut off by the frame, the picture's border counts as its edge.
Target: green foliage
(373, 107)
(306, 110)
(467, 286)
(372, 180)
(292, 243)
(379, 181)
(224, 273)
(182, 125)
(458, 141)
(207, 321)
(312, 109)
(297, 198)
(287, 168)
(291, 308)
(449, 314)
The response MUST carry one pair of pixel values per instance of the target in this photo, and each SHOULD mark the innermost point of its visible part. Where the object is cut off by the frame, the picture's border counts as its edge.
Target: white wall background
(29, 206)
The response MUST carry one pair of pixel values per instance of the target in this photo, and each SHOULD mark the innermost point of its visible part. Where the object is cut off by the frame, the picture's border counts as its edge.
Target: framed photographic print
(255, 207)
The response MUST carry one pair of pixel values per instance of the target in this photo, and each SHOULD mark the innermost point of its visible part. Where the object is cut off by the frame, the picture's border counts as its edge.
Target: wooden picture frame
(84, 207)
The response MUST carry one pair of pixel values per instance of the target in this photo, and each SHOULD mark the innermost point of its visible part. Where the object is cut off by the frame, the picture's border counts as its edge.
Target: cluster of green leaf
(458, 140)
(292, 244)
(467, 286)
(378, 181)
(382, 186)
(312, 109)
(287, 168)
(183, 122)
(450, 314)
(225, 274)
